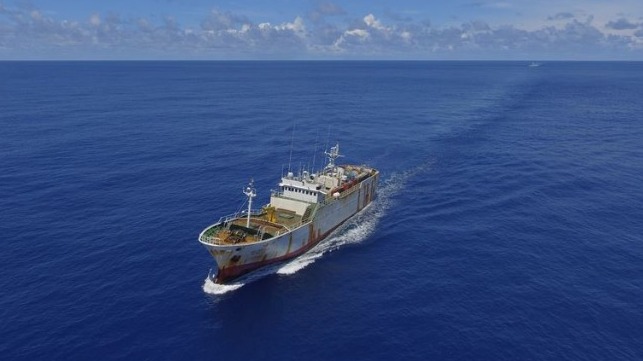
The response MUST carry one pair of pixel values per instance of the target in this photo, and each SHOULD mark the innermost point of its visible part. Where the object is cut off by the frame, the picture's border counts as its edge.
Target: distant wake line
(354, 231)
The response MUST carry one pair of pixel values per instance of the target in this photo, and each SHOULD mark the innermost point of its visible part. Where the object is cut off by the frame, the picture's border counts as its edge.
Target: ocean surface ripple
(509, 223)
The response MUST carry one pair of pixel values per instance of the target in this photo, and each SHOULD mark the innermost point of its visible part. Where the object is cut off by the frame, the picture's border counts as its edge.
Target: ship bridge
(296, 193)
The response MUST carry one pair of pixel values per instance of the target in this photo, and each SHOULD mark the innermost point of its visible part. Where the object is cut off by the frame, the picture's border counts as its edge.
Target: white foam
(354, 231)
(293, 267)
(217, 289)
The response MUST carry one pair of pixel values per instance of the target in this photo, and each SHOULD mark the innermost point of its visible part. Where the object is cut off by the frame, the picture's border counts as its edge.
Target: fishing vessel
(304, 210)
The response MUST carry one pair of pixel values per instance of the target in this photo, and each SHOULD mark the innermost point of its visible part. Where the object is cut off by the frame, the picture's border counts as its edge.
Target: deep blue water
(509, 224)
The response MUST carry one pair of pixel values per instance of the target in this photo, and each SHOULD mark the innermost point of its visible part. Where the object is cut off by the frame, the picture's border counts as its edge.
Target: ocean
(508, 225)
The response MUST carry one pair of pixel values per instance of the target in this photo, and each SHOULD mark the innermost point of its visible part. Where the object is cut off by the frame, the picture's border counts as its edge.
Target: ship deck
(235, 231)
(274, 219)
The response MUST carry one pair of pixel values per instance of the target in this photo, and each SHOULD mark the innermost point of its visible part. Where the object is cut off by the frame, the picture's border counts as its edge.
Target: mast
(333, 155)
(250, 192)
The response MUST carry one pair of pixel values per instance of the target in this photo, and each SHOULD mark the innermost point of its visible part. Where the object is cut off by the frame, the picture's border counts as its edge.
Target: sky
(321, 30)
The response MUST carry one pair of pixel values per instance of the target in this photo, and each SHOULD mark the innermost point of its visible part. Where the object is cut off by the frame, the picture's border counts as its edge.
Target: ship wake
(356, 230)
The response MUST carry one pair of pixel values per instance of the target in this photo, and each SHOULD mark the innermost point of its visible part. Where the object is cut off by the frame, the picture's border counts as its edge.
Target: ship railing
(208, 236)
(211, 240)
(225, 221)
(233, 216)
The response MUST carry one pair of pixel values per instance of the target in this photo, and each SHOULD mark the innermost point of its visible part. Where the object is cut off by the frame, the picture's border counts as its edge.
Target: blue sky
(318, 29)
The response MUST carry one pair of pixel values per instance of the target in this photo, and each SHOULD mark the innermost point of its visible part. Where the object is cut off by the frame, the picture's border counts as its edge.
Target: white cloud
(372, 22)
(407, 36)
(297, 27)
(30, 32)
(360, 33)
(94, 20)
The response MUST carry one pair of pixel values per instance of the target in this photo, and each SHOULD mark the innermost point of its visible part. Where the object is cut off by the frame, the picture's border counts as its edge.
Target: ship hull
(236, 260)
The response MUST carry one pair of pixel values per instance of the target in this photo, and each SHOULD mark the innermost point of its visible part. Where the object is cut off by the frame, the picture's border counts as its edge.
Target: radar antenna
(333, 155)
